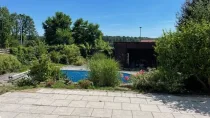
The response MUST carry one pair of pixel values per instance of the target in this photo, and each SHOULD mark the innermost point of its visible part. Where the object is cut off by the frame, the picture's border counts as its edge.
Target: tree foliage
(187, 52)
(5, 27)
(112, 39)
(196, 10)
(83, 32)
(43, 69)
(22, 23)
(57, 29)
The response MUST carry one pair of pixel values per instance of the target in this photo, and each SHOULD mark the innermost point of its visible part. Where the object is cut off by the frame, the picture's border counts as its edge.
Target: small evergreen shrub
(104, 72)
(8, 63)
(43, 70)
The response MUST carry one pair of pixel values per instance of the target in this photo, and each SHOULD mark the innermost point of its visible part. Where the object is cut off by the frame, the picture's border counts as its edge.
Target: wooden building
(135, 54)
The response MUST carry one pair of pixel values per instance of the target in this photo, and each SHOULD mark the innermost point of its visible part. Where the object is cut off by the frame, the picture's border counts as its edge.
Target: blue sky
(115, 17)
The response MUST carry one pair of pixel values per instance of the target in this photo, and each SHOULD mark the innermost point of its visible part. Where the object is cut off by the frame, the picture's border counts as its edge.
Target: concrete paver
(78, 104)
(104, 113)
(8, 114)
(82, 112)
(138, 100)
(58, 103)
(122, 99)
(61, 102)
(129, 106)
(141, 114)
(44, 110)
(74, 97)
(63, 111)
(27, 115)
(151, 108)
(95, 105)
(162, 115)
(112, 105)
(121, 114)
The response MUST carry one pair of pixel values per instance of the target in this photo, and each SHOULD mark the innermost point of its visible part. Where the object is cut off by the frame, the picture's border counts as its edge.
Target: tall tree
(196, 10)
(57, 29)
(23, 24)
(79, 31)
(85, 32)
(5, 27)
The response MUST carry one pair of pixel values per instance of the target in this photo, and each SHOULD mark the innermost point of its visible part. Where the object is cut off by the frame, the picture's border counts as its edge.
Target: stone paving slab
(62, 103)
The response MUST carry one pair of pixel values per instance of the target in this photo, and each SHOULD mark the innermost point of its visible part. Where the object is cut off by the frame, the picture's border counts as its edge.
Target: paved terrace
(55, 103)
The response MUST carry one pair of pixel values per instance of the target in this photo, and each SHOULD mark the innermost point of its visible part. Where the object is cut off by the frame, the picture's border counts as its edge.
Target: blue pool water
(76, 75)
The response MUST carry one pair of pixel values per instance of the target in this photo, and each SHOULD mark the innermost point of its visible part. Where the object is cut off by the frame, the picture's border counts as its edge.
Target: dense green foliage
(57, 29)
(99, 56)
(25, 82)
(194, 10)
(22, 23)
(5, 27)
(85, 32)
(55, 56)
(72, 53)
(8, 63)
(43, 70)
(104, 72)
(27, 54)
(112, 39)
(157, 81)
(13, 27)
(187, 52)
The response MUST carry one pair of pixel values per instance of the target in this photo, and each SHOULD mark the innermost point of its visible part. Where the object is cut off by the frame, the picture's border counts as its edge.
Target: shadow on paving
(185, 104)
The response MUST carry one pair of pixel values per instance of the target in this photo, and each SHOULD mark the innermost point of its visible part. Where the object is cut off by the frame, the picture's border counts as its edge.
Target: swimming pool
(76, 75)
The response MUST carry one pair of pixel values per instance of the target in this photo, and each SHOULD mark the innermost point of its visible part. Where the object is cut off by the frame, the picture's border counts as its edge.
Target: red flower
(141, 72)
(126, 78)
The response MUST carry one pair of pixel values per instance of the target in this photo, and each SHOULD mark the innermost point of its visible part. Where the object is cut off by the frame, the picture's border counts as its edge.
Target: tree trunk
(205, 87)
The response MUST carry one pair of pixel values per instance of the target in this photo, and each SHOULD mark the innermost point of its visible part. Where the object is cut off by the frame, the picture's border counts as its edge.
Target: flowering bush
(127, 78)
(156, 80)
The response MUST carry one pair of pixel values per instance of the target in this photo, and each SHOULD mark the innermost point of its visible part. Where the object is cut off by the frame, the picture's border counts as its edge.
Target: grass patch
(9, 88)
(110, 88)
(60, 84)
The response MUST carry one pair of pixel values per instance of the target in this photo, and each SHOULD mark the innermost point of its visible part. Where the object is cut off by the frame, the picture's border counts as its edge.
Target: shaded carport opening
(135, 55)
(141, 58)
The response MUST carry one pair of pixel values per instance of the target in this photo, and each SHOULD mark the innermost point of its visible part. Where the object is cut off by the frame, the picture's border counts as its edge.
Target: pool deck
(63, 103)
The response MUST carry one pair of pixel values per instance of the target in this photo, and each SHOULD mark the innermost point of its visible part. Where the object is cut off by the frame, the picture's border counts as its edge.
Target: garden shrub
(9, 63)
(104, 72)
(57, 48)
(43, 70)
(157, 81)
(80, 61)
(25, 82)
(187, 52)
(85, 84)
(72, 53)
(55, 56)
(27, 54)
(99, 56)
